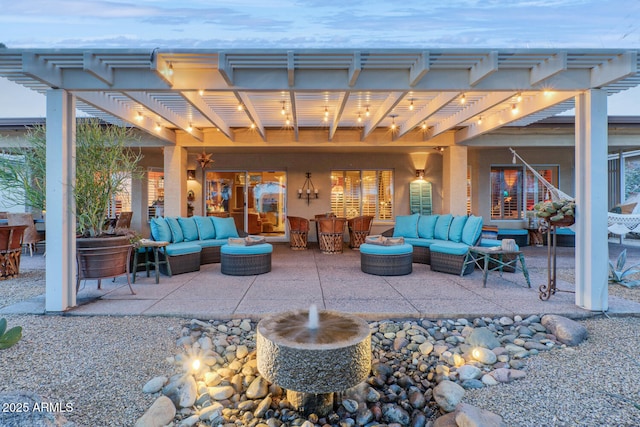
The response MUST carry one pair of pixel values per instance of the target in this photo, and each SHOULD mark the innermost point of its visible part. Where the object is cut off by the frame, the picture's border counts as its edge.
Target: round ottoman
(393, 260)
(237, 260)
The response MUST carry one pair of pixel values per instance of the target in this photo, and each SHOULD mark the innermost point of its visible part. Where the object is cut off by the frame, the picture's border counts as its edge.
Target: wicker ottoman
(394, 260)
(245, 260)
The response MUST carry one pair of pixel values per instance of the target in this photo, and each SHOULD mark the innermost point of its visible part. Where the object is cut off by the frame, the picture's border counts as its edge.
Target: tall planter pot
(103, 257)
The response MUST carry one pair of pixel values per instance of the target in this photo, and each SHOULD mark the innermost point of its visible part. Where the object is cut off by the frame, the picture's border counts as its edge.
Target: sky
(296, 24)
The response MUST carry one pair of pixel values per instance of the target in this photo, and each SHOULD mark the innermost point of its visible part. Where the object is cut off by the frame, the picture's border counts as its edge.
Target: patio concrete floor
(335, 282)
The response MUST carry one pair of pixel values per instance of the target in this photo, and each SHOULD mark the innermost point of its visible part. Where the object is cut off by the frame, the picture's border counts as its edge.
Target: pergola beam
(151, 104)
(35, 66)
(618, 68)
(550, 67)
(389, 104)
(483, 68)
(92, 64)
(103, 102)
(419, 68)
(355, 68)
(198, 103)
(342, 102)
(438, 103)
(250, 110)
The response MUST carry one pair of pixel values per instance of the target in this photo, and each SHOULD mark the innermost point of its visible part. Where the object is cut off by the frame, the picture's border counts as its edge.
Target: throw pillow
(472, 230)
(225, 227)
(176, 231)
(160, 230)
(427, 226)
(206, 230)
(189, 229)
(456, 228)
(442, 227)
(406, 226)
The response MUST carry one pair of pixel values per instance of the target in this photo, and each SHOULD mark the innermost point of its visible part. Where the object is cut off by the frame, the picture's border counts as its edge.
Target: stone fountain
(313, 355)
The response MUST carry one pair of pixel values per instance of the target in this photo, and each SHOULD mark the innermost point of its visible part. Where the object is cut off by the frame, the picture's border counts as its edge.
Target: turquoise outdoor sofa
(442, 241)
(193, 241)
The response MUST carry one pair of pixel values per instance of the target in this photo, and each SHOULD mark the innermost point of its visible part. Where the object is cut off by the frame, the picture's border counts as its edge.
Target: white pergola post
(592, 250)
(61, 218)
(175, 181)
(454, 180)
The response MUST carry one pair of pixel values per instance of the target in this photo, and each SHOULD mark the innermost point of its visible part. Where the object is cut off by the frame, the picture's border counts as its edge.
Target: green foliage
(555, 211)
(10, 337)
(103, 166)
(23, 171)
(618, 274)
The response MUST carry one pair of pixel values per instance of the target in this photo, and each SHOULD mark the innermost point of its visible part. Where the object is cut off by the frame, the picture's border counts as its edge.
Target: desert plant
(618, 274)
(103, 166)
(10, 337)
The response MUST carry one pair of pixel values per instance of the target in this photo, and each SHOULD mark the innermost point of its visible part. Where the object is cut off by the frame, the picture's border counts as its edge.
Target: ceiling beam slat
(251, 111)
(439, 102)
(294, 115)
(160, 109)
(199, 104)
(389, 104)
(103, 102)
(355, 68)
(36, 67)
(342, 102)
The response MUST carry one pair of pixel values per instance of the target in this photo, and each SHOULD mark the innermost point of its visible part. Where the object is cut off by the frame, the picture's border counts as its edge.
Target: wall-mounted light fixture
(307, 189)
(191, 174)
(439, 149)
(420, 173)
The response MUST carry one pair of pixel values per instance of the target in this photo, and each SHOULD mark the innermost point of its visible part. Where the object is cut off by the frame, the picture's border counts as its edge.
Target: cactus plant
(10, 337)
(618, 274)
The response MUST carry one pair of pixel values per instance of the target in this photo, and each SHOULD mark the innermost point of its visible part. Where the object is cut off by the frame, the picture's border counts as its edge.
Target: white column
(592, 249)
(454, 180)
(61, 218)
(175, 181)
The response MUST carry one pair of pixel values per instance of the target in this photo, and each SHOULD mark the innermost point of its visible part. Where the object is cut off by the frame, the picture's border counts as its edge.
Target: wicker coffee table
(245, 260)
(394, 260)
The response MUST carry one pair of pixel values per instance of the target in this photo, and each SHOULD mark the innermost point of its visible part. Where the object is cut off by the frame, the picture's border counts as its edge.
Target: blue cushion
(456, 228)
(263, 248)
(450, 248)
(206, 230)
(472, 230)
(406, 226)
(225, 227)
(210, 243)
(176, 231)
(442, 227)
(426, 226)
(512, 232)
(189, 229)
(425, 243)
(160, 230)
(371, 249)
(182, 248)
(490, 243)
(565, 231)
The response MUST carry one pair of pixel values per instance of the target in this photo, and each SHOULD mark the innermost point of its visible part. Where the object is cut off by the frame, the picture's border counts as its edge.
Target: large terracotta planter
(103, 257)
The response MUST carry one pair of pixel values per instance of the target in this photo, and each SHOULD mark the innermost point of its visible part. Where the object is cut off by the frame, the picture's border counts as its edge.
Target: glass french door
(256, 200)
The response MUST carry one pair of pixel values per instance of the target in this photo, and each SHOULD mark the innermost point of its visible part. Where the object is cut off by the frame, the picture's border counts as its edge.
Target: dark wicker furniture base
(386, 265)
(452, 264)
(245, 265)
(210, 255)
(181, 263)
(421, 255)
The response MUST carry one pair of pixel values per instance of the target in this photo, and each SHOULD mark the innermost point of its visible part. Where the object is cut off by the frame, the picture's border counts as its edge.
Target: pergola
(325, 99)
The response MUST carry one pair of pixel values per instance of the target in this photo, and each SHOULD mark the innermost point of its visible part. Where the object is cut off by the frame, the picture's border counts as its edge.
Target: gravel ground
(99, 365)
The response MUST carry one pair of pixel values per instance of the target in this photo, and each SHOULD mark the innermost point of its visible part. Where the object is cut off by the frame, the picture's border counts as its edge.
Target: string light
(411, 106)
(463, 99)
(240, 107)
(253, 125)
(201, 92)
(287, 121)
(480, 120)
(518, 97)
(158, 127)
(170, 72)
(326, 112)
(424, 126)
(139, 117)
(359, 118)
(366, 112)
(190, 128)
(514, 109)
(393, 123)
(283, 111)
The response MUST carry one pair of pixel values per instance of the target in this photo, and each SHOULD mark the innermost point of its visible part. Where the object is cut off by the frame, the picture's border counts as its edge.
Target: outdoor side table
(497, 256)
(155, 247)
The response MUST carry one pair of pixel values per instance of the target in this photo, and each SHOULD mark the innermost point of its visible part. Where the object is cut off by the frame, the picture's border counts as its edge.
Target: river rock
(258, 389)
(483, 337)
(160, 413)
(447, 395)
(154, 385)
(469, 372)
(221, 392)
(484, 355)
(505, 375)
(470, 416)
(567, 331)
